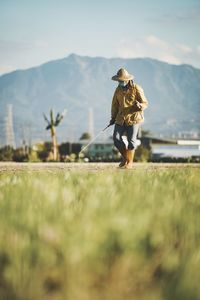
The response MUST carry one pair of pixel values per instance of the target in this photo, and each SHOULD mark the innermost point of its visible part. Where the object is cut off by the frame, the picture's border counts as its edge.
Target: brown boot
(130, 156)
(124, 158)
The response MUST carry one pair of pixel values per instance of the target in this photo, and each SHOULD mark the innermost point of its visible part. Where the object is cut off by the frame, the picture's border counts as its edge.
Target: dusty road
(14, 167)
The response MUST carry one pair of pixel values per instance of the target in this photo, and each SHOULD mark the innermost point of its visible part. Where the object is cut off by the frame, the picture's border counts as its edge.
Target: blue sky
(33, 32)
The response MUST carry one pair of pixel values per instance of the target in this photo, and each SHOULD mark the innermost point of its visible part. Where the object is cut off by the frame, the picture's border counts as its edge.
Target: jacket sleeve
(140, 96)
(114, 107)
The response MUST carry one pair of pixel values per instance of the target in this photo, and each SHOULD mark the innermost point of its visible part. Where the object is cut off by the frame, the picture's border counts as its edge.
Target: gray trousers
(130, 131)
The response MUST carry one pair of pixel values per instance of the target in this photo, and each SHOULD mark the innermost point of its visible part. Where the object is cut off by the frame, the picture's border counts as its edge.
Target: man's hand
(138, 105)
(112, 121)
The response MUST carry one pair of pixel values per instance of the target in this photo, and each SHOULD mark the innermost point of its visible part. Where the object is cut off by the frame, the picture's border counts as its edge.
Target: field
(95, 232)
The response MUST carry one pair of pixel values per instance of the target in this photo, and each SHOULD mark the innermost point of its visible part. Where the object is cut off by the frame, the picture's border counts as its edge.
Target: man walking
(127, 114)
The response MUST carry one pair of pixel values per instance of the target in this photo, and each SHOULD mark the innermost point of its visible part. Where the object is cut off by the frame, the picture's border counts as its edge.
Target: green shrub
(6, 153)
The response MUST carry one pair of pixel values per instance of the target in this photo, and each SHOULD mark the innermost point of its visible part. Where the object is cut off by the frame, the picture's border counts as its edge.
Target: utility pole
(10, 137)
(29, 130)
(91, 123)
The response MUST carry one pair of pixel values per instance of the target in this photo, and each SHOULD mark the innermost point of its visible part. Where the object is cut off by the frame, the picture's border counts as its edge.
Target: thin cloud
(18, 54)
(192, 15)
(198, 49)
(184, 48)
(154, 47)
(6, 69)
(13, 46)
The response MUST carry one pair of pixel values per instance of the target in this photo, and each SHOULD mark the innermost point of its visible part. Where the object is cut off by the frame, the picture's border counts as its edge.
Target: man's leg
(119, 143)
(132, 132)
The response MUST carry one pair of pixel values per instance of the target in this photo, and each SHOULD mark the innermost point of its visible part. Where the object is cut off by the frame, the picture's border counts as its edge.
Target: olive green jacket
(128, 105)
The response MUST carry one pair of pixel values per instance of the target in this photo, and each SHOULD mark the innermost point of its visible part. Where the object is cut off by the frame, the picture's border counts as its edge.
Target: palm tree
(52, 124)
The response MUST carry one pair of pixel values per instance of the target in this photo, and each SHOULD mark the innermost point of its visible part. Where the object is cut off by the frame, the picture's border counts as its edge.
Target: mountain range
(82, 84)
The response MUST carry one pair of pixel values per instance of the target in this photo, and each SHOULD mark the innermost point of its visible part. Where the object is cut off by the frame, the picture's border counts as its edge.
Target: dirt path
(14, 167)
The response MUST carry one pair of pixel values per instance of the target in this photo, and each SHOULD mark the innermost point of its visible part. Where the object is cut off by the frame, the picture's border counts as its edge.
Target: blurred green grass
(106, 235)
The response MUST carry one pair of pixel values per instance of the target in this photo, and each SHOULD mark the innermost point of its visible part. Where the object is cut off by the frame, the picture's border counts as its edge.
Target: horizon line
(95, 57)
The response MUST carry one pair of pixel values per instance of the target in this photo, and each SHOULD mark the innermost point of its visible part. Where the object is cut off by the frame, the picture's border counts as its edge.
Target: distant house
(161, 148)
(102, 149)
(99, 150)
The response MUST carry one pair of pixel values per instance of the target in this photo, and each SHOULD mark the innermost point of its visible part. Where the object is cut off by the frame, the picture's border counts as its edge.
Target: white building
(178, 149)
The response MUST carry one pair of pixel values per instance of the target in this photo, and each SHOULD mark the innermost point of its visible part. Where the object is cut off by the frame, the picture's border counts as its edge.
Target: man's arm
(114, 108)
(141, 102)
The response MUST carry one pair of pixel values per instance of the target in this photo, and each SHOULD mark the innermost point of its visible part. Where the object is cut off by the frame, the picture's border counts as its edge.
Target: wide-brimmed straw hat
(122, 75)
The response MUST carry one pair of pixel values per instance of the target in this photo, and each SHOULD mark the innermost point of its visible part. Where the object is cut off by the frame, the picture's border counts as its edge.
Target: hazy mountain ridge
(78, 83)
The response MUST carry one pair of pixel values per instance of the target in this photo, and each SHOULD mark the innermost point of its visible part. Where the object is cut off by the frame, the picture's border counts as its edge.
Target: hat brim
(116, 78)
